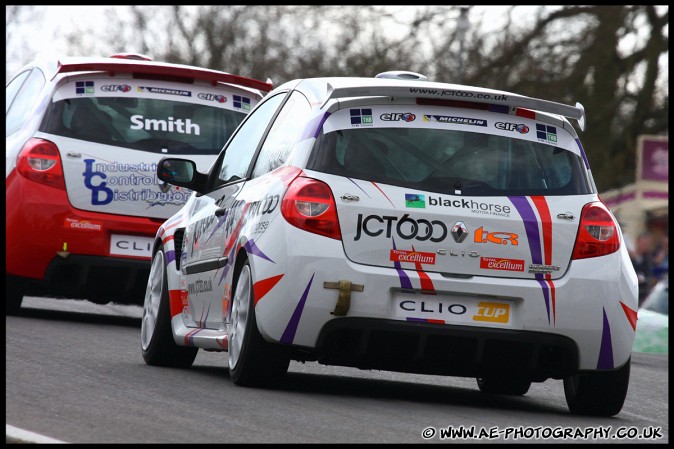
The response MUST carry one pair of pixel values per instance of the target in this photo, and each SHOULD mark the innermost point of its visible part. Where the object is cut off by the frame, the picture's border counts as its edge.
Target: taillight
(39, 161)
(597, 233)
(309, 205)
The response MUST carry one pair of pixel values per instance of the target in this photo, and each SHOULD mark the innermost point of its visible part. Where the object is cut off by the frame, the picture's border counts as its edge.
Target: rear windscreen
(147, 124)
(453, 151)
(455, 161)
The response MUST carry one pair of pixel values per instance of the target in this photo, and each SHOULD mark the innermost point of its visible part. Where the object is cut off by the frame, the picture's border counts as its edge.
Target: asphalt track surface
(75, 374)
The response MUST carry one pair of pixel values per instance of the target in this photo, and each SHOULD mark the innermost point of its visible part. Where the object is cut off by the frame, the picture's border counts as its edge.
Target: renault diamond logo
(459, 232)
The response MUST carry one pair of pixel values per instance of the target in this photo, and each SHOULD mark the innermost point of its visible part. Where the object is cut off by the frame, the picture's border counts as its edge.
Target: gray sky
(30, 40)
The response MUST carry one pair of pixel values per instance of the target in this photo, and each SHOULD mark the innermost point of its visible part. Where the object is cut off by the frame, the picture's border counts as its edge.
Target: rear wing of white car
(418, 89)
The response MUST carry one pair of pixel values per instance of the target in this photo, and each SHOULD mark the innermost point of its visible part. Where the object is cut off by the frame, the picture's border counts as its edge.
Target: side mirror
(179, 172)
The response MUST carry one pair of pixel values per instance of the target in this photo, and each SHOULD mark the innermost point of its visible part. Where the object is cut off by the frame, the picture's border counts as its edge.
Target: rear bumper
(41, 223)
(98, 279)
(593, 306)
(445, 349)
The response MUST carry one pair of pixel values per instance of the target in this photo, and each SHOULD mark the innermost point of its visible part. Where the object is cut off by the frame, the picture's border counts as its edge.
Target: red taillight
(597, 233)
(39, 161)
(309, 205)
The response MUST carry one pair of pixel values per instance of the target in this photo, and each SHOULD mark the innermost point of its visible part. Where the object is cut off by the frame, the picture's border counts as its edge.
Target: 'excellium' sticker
(496, 263)
(82, 225)
(398, 255)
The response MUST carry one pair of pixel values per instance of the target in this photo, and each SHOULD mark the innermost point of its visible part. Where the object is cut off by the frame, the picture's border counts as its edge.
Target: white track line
(26, 436)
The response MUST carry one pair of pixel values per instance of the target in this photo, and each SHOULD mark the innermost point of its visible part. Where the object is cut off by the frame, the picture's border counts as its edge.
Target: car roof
(53, 67)
(321, 91)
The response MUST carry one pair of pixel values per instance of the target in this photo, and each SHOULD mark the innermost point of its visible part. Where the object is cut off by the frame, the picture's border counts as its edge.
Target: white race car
(393, 223)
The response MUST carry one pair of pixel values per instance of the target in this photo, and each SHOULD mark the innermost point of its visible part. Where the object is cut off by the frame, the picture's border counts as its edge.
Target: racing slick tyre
(253, 362)
(503, 385)
(13, 294)
(159, 347)
(597, 394)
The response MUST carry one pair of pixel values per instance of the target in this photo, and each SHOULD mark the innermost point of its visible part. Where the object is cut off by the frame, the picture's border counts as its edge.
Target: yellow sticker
(492, 312)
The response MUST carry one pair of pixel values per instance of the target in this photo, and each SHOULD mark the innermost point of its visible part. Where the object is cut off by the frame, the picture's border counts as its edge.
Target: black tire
(13, 294)
(503, 385)
(157, 343)
(252, 361)
(598, 394)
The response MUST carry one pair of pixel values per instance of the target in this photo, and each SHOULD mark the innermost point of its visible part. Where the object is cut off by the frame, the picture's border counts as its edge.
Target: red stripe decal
(382, 192)
(546, 224)
(261, 288)
(631, 315)
(426, 283)
(175, 302)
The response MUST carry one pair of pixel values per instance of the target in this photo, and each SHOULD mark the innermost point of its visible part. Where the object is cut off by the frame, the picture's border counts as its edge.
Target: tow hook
(344, 300)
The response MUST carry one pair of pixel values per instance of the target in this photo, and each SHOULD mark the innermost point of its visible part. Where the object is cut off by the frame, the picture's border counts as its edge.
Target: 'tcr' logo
(501, 238)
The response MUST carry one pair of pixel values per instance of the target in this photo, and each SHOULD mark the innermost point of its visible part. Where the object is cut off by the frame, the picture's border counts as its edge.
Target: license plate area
(131, 245)
(453, 309)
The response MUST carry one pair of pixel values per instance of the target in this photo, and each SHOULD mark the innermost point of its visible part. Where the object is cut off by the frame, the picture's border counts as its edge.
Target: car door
(209, 243)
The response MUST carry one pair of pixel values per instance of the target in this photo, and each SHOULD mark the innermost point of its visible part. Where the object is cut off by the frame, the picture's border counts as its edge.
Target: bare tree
(16, 17)
(607, 57)
(610, 58)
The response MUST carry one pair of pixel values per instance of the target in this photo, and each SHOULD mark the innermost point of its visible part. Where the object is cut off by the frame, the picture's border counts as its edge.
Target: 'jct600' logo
(405, 227)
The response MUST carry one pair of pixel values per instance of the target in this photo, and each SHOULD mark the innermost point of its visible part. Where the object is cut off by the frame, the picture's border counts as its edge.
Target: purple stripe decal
(320, 125)
(419, 320)
(606, 350)
(358, 186)
(546, 292)
(313, 128)
(202, 320)
(534, 238)
(189, 338)
(582, 153)
(531, 227)
(253, 249)
(221, 221)
(404, 279)
(289, 334)
(169, 256)
(230, 262)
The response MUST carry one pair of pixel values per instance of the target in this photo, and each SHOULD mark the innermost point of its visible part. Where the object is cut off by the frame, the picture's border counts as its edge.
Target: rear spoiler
(415, 89)
(155, 68)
